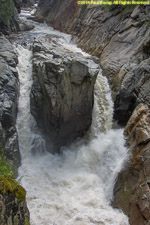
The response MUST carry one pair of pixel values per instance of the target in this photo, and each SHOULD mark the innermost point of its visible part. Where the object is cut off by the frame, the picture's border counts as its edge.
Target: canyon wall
(13, 208)
(119, 36)
(9, 88)
(132, 190)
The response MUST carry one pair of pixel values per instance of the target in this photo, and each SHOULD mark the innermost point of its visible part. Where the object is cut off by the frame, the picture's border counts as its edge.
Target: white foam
(76, 187)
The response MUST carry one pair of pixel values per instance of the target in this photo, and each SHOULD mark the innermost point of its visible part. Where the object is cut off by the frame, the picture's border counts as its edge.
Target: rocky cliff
(62, 91)
(119, 36)
(13, 208)
(9, 88)
(132, 190)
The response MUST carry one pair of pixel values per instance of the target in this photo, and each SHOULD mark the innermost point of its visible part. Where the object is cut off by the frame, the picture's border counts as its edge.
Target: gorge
(70, 155)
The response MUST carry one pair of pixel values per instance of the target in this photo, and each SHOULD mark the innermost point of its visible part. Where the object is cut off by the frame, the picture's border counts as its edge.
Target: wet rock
(8, 102)
(132, 190)
(25, 26)
(28, 3)
(62, 91)
(134, 90)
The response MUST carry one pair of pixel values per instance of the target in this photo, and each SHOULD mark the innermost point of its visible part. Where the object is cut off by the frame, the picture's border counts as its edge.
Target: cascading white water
(76, 187)
(23, 122)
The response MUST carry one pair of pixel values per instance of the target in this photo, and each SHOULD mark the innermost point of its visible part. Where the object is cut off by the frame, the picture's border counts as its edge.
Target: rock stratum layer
(62, 91)
(119, 36)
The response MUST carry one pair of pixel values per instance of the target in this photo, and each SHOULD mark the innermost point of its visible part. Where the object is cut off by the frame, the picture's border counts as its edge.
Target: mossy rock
(8, 184)
(27, 222)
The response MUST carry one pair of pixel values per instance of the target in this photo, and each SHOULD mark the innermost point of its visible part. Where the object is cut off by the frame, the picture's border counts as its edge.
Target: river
(76, 186)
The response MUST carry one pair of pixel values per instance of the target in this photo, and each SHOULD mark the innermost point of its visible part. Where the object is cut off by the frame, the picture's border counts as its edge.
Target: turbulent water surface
(76, 187)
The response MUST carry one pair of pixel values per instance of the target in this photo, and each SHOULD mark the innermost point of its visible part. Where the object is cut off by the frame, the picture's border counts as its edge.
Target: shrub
(6, 10)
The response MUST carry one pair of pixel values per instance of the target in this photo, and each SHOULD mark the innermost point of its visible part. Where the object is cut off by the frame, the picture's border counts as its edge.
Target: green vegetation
(128, 9)
(6, 10)
(27, 221)
(83, 8)
(5, 168)
(9, 184)
(7, 180)
(107, 8)
(123, 8)
(87, 79)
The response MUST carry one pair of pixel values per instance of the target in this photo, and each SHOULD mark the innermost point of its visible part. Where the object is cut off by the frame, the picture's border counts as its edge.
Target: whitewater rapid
(75, 187)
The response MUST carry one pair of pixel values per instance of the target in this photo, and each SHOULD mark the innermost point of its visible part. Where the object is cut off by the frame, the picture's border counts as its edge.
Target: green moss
(8, 184)
(20, 193)
(7, 180)
(107, 8)
(27, 221)
(6, 10)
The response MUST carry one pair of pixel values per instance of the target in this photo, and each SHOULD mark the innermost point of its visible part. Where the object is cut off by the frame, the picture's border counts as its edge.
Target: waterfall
(24, 117)
(76, 187)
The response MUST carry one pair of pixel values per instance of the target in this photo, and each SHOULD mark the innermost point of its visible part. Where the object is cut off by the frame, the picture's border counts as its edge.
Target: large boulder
(62, 91)
(132, 189)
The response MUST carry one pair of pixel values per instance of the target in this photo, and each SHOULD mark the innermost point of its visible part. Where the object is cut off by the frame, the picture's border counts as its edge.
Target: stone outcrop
(8, 102)
(119, 36)
(132, 190)
(62, 91)
(13, 208)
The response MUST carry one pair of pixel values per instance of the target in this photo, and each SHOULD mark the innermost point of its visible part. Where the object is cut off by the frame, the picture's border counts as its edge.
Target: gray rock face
(25, 26)
(8, 102)
(118, 36)
(134, 90)
(28, 3)
(132, 190)
(62, 91)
